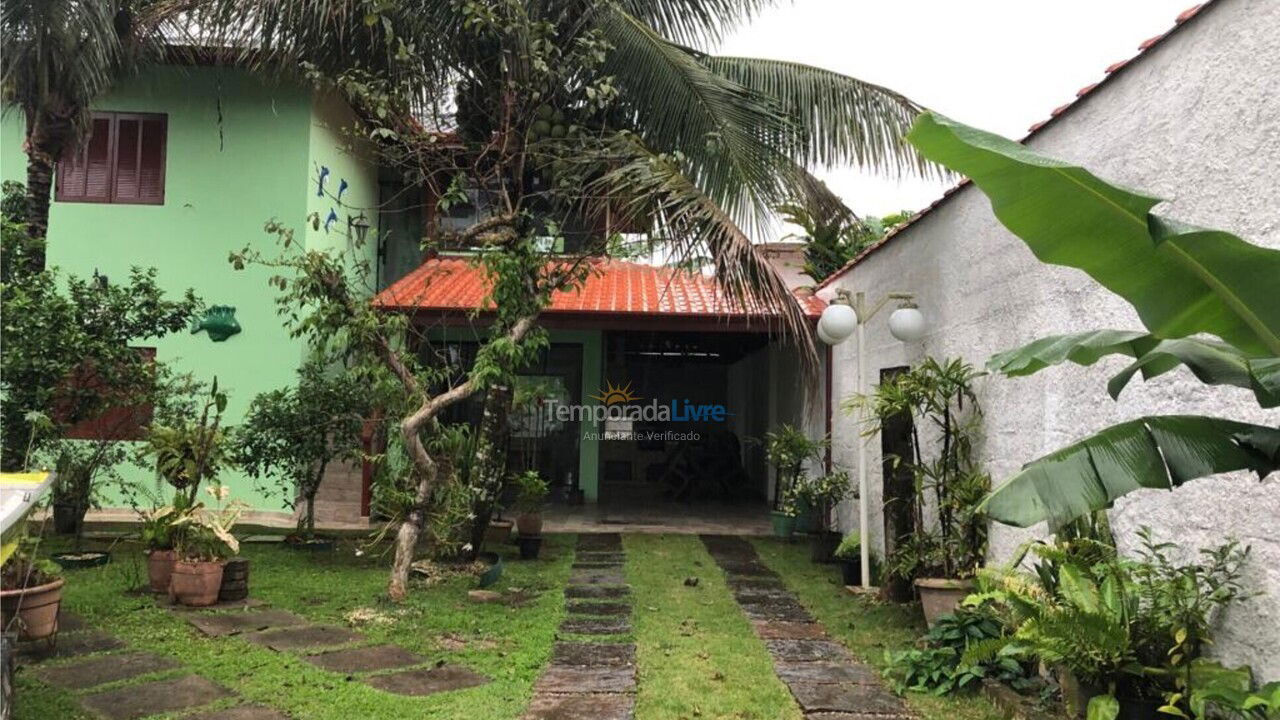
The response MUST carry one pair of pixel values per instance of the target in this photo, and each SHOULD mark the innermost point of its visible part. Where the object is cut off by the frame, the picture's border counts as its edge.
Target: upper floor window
(122, 161)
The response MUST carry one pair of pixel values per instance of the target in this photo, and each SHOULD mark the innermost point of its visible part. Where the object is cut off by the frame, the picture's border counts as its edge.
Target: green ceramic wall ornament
(219, 322)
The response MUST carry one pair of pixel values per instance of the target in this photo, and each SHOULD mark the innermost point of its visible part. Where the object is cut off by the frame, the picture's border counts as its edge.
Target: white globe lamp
(907, 323)
(837, 323)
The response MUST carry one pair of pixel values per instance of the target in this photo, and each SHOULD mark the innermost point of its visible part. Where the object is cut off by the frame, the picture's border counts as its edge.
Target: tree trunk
(47, 138)
(424, 471)
(897, 439)
(491, 460)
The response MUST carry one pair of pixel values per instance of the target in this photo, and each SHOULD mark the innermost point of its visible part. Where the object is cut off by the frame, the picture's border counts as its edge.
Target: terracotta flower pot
(941, 596)
(36, 609)
(195, 582)
(160, 569)
(498, 533)
(529, 524)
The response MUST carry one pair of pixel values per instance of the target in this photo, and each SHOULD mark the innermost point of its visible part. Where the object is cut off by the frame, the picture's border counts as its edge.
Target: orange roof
(453, 283)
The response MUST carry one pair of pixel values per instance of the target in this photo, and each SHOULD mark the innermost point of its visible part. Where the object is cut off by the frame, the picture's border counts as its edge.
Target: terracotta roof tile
(453, 283)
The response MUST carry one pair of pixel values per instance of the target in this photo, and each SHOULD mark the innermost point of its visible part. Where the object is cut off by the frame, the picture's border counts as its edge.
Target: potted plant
(531, 494)
(157, 534)
(295, 434)
(849, 555)
(947, 540)
(823, 494)
(31, 591)
(188, 449)
(203, 542)
(788, 449)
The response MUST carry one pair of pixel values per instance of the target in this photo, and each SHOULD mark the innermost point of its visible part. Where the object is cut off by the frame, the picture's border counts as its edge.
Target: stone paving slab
(153, 698)
(597, 577)
(581, 707)
(304, 637)
(596, 626)
(427, 681)
(825, 672)
(807, 651)
(365, 659)
(784, 609)
(234, 623)
(596, 592)
(70, 645)
(245, 604)
(750, 584)
(567, 679)
(590, 556)
(856, 716)
(784, 630)
(762, 593)
(865, 699)
(240, 712)
(742, 568)
(581, 607)
(596, 565)
(102, 670)
(593, 654)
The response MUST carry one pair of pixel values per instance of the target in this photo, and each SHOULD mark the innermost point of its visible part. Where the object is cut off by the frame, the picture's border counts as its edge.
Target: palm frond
(693, 223)
(694, 21)
(836, 119)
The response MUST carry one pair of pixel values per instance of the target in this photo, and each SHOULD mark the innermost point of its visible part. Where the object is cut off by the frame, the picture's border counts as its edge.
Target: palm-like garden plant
(60, 56)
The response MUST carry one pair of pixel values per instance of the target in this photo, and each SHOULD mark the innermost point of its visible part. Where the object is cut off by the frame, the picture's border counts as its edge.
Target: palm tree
(59, 56)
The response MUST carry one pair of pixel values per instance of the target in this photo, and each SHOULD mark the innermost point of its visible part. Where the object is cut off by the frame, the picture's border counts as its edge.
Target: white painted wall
(1195, 120)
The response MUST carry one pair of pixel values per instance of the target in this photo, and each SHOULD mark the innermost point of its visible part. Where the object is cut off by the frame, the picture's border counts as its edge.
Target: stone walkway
(593, 678)
(389, 668)
(826, 681)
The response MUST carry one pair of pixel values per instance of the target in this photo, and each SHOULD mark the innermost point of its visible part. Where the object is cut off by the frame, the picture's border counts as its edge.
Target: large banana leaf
(1214, 363)
(1161, 451)
(1182, 280)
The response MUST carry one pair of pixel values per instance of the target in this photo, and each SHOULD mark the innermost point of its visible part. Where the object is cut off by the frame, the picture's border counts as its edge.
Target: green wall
(239, 152)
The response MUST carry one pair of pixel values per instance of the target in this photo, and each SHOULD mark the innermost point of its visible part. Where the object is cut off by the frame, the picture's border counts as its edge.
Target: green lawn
(866, 626)
(509, 644)
(697, 654)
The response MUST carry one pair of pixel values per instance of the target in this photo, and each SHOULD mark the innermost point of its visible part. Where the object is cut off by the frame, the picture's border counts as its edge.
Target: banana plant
(1182, 280)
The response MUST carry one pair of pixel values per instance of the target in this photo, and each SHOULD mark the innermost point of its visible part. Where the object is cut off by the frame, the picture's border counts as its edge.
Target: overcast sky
(998, 64)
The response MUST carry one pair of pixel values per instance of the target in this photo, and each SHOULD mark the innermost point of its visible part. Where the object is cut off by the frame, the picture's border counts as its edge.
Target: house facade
(185, 165)
(1191, 118)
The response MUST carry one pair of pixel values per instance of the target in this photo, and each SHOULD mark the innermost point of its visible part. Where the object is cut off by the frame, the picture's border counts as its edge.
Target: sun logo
(616, 394)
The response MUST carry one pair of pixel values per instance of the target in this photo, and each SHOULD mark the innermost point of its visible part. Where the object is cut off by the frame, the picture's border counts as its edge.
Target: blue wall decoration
(324, 173)
(333, 218)
(342, 187)
(219, 321)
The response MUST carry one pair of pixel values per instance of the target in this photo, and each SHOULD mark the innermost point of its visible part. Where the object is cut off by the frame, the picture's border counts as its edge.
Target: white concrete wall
(1195, 120)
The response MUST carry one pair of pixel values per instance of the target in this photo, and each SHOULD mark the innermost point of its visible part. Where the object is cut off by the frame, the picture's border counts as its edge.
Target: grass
(508, 644)
(697, 654)
(867, 627)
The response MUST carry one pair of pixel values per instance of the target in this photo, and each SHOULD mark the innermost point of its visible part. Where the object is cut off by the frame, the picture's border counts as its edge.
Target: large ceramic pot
(822, 546)
(196, 582)
(35, 607)
(235, 581)
(530, 546)
(498, 533)
(529, 524)
(941, 596)
(160, 569)
(784, 525)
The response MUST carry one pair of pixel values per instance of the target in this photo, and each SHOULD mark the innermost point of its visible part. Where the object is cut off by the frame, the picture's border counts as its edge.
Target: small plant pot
(195, 583)
(235, 580)
(494, 572)
(941, 596)
(822, 546)
(850, 571)
(498, 533)
(160, 569)
(784, 525)
(81, 560)
(529, 524)
(35, 607)
(530, 546)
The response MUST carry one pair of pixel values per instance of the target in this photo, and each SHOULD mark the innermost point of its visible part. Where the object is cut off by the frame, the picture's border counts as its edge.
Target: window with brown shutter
(121, 162)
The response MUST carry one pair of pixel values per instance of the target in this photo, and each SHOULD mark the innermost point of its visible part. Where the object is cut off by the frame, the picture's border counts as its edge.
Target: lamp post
(843, 317)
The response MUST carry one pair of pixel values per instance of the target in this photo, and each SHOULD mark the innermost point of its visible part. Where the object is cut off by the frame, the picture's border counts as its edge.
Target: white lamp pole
(906, 324)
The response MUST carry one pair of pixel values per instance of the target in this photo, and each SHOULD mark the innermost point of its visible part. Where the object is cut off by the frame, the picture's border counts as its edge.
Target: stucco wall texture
(1196, 120)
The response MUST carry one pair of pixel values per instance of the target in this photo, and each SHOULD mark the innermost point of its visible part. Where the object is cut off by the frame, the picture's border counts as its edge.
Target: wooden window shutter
(140, 141)
(86, 176)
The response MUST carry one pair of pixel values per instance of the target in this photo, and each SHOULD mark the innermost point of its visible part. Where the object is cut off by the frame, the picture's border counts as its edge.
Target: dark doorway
(897, 435)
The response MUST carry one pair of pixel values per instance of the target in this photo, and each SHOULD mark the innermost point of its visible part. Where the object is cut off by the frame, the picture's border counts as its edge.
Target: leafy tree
(834, 236)
(295, 433)
(60, 56)
(1191, 281)
(65, 342)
